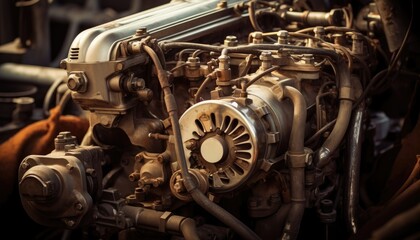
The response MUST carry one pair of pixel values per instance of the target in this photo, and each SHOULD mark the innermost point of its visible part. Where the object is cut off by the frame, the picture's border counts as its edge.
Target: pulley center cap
(213, 149)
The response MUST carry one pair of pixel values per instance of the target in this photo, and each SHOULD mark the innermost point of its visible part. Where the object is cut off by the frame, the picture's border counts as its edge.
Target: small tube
(344, 113)
(296, 154)
(334, 17)
(162, 221)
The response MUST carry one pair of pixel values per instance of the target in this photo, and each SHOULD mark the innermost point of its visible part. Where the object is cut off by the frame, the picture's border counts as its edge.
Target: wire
(320, 131)
(198, 52)
(49, 96)
(248, 63)
(260, 75)
(64, 100)
(253, 18)
(348, 13)
(178, 67)
(184, 51)
(202, 87)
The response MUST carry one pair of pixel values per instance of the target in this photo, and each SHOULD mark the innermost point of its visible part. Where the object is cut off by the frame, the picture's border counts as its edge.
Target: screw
(73, 83)
(257, 37)
(222, 4)
(191, 144)
(69, 147)
(224, 61)
(76, 82)
(135, 84)
(231, 41)
(193, 63)
(266, 59)
(141, 31)
(282, 36)
(265, 56)
(119, 66)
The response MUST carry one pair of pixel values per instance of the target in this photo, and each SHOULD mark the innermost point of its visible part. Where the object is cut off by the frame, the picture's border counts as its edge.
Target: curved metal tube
(297, 156)
(296, 143)
(351, 186)
(344, 113)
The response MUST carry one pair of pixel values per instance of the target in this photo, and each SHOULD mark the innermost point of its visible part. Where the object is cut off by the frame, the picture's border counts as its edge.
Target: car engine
(231, 120)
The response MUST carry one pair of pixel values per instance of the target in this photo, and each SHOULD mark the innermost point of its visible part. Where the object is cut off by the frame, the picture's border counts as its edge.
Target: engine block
(208, 119)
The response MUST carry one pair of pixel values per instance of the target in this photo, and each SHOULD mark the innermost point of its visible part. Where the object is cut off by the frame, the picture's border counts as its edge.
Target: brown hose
(162, 221)
(297, 158)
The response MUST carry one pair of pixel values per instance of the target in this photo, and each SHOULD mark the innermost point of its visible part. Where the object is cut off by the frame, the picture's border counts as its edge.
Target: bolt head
(77, 82)
(257, 35)
(73, 82)
(319, 29)
(141, 31)
(283, 34)
(266, 56)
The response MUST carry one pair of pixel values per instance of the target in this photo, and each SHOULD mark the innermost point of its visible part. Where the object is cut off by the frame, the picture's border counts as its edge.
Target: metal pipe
(252, 16)
(299, 119)
(333, 17)
(41, 77)
(297, 162)
(162, 221)
(192, 188)
(344, 113)
(352, 174)
(200, 90)
(24, 73)
(253, 48)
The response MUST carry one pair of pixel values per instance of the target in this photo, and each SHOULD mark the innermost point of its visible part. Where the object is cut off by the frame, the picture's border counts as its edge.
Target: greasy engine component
(212, 116)
(231, 140)
(59, 189)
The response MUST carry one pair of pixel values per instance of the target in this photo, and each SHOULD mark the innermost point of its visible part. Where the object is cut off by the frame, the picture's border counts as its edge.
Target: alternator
(231, 140)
